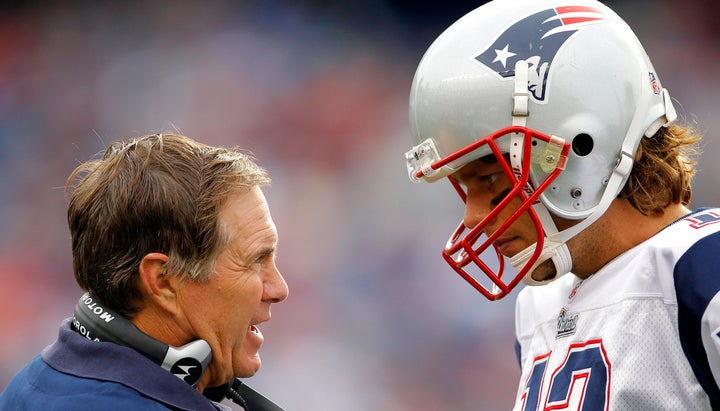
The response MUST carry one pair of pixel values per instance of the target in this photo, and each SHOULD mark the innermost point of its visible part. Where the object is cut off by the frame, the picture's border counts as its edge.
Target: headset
(95, 321)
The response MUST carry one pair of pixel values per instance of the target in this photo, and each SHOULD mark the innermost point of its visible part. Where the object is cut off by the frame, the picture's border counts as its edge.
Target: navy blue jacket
(76, 373)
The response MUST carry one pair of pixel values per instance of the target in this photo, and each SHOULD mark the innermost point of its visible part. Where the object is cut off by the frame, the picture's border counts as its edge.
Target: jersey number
(581, 382)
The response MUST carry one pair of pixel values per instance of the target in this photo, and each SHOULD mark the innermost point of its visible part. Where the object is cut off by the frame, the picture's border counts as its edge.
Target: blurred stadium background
(318, 91)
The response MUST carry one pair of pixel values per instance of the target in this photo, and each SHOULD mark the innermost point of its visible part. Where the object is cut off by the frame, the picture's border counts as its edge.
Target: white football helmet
(560, 92)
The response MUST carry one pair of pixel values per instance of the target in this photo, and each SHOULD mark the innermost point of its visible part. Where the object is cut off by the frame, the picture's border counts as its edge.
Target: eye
(260, 260)
(488, 180)
(265, 258)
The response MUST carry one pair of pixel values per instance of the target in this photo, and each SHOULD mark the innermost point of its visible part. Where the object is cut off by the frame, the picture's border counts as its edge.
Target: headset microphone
(241, 394)
(95, 321)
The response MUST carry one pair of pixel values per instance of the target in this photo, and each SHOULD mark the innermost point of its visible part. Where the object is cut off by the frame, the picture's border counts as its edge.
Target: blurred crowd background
(318, 92)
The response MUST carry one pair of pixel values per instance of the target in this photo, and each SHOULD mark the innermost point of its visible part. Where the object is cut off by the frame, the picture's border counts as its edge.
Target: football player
(551, 123)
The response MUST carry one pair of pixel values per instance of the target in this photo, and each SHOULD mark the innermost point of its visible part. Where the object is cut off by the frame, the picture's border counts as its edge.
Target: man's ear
(154, 284)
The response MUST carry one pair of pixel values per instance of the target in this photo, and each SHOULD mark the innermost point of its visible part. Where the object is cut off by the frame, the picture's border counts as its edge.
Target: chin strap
(521, 95)
(553, 249)
(555, 246)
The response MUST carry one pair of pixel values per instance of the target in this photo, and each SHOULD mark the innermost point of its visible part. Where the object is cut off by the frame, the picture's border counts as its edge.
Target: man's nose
(276, 289)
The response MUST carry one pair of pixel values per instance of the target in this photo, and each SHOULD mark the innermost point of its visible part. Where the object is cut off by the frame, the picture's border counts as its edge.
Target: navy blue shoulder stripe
(697, 281)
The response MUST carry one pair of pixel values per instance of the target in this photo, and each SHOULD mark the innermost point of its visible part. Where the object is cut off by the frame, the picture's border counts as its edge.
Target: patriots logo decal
(536, 39)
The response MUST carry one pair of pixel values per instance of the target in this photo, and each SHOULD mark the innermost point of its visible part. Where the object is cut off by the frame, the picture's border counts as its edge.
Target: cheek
(240, 300)
(224, 304)
(524, 225)
(513, 206)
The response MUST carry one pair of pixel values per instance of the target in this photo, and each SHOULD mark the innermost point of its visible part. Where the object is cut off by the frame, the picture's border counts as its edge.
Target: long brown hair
(663, 170)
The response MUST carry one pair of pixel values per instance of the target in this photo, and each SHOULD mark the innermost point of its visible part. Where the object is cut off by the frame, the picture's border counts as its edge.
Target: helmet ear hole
(582, 144)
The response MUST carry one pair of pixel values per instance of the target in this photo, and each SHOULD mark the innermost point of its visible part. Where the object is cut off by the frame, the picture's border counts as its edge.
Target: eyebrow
(264, 253)
(488, 159)
(466, 173)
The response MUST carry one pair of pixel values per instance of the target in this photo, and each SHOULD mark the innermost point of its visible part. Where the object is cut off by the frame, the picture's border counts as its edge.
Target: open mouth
(254, 336)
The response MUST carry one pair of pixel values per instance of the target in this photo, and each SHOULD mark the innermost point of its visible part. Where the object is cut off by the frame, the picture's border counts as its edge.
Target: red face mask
(466, 245)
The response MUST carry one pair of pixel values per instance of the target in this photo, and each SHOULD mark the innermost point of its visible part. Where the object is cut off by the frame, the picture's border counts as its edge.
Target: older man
(175, 246)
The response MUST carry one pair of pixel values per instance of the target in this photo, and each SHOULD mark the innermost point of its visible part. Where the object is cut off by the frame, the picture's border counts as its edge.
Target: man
(176, 237)
(551, 123)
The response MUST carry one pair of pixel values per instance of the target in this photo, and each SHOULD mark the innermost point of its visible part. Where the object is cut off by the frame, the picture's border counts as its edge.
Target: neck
(159, 325)
(620, 229)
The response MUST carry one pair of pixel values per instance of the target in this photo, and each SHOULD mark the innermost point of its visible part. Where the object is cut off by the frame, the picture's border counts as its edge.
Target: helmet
(561, 93)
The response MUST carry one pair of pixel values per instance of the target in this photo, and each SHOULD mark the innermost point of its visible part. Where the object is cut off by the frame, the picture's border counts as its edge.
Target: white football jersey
(643, 333)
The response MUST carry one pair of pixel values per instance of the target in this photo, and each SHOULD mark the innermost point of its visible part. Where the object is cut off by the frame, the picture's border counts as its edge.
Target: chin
(248, 367)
